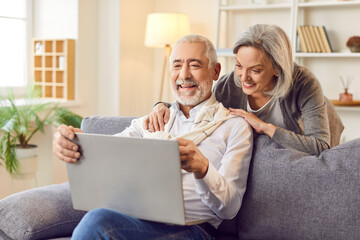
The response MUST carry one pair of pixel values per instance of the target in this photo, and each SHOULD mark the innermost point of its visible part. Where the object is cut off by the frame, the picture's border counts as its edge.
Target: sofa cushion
(40, 213)
(292, 195)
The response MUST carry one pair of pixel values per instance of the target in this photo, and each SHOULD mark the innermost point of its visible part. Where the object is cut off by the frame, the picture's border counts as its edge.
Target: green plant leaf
(11, 162)
(10, 124)
(19, 123)
(66, 117)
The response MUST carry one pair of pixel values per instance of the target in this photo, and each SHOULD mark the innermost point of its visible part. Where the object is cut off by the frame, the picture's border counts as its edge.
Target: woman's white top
(269, 113)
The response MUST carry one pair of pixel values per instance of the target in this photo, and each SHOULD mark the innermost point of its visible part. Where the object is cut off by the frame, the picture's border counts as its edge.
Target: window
(13, 43)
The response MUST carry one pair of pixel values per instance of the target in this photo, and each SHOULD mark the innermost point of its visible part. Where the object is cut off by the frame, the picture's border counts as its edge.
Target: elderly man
(215, 151)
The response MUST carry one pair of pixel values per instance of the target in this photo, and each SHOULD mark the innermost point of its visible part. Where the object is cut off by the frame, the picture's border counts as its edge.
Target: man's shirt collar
(193, 111)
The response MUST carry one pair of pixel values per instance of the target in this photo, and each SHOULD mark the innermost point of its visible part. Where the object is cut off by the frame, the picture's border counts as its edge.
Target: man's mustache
(184, 81)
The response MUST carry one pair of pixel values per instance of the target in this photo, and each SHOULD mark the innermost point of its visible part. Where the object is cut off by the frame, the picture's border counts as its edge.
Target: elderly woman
(276, 96)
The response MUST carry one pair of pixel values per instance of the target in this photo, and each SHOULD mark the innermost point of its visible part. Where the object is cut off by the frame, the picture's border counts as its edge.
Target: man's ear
(217, 69)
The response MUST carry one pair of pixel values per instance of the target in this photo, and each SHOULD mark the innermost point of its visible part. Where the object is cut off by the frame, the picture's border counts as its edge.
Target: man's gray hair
(194, 38)
(273, 41)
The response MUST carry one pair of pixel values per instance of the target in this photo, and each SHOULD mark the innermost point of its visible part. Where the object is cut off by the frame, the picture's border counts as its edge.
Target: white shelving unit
(340, 19)
(236, 15)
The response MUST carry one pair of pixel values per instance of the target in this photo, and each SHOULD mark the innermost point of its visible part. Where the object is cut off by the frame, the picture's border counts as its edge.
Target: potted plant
(20, 121)
(354, 43)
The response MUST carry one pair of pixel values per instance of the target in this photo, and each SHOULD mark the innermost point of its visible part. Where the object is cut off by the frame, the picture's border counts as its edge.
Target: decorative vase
(354, 48)
(28, 163)
(345, 97)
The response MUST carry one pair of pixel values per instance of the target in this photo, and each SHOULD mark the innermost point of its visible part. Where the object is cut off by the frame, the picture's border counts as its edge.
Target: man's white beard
(193, 99)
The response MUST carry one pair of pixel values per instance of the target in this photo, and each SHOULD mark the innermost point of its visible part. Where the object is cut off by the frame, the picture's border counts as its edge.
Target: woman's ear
(275, 72)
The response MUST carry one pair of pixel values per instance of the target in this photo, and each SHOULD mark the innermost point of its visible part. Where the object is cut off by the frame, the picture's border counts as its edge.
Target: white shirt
(219, 194)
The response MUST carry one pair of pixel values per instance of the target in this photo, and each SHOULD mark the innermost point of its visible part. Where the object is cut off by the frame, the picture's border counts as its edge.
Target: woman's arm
(305, 116)
(158, 117)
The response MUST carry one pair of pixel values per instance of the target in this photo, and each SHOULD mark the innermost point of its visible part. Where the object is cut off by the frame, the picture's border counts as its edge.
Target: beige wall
(136, 81)
(140, 67)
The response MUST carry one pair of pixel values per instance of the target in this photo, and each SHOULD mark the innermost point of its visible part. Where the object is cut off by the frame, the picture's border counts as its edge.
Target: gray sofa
(290, 195)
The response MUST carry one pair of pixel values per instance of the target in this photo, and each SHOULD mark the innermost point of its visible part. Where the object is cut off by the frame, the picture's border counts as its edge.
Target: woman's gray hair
(273, 41)
(194, 38)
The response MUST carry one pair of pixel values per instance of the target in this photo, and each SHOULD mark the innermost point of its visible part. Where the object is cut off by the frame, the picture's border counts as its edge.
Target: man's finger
(66, 131)
(65, 159)
(64, 142)
(182, 141)
(146, 122)
(65, 152)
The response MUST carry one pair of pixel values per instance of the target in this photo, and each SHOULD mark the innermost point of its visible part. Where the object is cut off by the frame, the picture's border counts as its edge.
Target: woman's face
(255, 71)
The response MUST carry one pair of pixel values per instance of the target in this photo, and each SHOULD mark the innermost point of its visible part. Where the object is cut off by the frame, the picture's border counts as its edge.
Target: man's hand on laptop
(192, 160)
(63, 148)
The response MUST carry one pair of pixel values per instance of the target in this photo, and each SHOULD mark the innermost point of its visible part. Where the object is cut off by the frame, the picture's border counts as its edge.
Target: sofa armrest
(105, 124)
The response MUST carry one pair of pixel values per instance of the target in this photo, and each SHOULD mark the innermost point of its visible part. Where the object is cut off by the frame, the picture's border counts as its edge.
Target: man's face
(191, 77)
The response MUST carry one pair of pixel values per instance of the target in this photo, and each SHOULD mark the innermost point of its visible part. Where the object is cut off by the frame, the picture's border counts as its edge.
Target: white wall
(55, 19)
(108, 57)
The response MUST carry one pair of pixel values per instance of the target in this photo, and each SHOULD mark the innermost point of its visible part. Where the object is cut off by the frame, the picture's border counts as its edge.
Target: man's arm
(224, 185)
(192, 160)
(68, 151)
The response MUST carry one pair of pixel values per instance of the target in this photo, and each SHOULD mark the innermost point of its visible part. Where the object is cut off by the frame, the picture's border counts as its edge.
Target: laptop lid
(135, 176)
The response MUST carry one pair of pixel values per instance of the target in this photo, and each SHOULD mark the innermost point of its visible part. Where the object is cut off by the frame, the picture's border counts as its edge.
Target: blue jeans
(107, 224)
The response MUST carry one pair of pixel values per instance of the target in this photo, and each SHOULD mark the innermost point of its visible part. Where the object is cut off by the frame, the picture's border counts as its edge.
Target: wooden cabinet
(53, 67)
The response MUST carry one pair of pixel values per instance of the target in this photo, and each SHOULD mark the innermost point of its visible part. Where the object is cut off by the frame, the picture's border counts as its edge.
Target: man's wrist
(202, 173)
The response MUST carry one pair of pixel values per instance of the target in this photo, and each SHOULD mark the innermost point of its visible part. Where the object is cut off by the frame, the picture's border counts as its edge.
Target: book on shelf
(319, 40)
(303, 44)
(309, 38)
(306, 38)
(325, 39)
(313, 39)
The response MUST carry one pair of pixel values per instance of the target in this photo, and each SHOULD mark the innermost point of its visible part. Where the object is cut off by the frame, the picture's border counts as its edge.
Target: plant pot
(28, 162)
(354, 48)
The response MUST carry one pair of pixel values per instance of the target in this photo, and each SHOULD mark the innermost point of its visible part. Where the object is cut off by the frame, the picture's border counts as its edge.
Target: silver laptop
(135, 176)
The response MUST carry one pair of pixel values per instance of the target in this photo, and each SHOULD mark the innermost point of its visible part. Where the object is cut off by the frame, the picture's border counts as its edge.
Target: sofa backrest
(290, 194)
(293, 195)
(105, 124)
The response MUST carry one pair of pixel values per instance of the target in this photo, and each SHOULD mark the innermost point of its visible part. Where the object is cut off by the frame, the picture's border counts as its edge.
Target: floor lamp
(163, 30)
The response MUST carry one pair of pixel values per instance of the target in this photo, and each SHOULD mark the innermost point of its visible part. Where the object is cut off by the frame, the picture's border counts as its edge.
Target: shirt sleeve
(222, 189)
(134, 130)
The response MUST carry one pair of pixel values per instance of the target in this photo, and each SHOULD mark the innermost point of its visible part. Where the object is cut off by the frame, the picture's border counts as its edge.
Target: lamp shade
(165, 28)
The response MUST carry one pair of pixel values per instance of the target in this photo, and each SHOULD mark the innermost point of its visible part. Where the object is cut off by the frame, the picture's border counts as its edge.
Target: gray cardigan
(305, 102)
